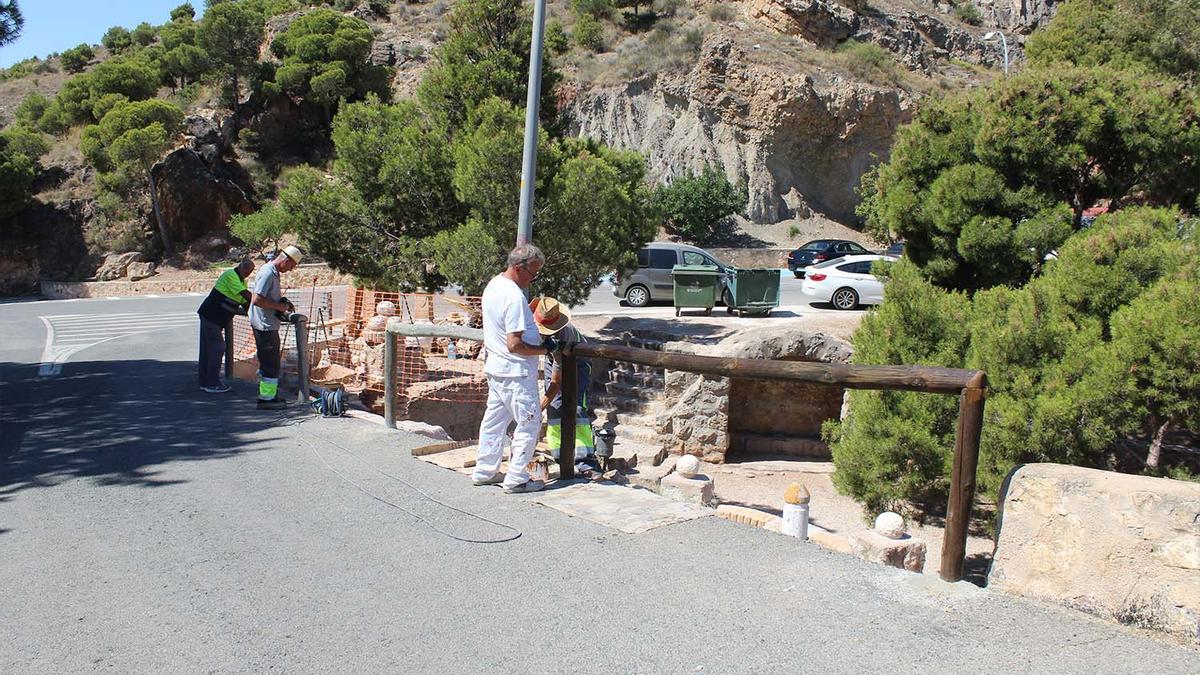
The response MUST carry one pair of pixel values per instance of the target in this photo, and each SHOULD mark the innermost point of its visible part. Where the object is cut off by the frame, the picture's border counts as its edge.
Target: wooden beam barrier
(930, 379)
(570, 395)
(962, 477)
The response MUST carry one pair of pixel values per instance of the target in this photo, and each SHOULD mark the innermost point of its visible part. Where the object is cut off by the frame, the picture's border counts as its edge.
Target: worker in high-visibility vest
(554, 321)
(228, 296)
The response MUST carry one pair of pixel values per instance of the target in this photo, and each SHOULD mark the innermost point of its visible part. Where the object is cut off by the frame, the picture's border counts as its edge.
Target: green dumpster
(752, 291)
(696, 286)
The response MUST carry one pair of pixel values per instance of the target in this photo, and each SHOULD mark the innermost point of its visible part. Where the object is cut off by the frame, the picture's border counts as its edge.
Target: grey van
(652, 279)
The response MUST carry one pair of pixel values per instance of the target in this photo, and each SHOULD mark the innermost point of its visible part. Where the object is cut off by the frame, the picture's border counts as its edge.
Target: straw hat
(549, 314)
(293, 253)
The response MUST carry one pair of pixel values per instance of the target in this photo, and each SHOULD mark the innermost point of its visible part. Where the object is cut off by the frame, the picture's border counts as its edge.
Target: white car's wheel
(844, 298)
(637, 296)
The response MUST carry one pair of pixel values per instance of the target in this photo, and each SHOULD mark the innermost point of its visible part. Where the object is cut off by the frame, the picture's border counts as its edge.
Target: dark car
(896, 250)
(820, 250)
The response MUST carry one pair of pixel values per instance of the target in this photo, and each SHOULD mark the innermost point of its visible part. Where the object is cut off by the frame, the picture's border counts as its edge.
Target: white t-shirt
(505, 310)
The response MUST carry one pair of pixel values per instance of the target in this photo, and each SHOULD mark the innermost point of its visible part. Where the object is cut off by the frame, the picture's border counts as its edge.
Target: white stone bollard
(795, 511)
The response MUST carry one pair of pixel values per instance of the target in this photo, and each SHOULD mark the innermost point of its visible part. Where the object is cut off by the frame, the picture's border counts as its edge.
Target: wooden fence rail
(969, 385)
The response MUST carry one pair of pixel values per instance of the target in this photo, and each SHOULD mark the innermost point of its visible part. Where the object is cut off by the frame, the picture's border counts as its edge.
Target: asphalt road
(145, 526)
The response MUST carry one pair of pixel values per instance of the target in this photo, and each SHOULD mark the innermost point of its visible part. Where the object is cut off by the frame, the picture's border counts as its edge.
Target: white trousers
(509, 399)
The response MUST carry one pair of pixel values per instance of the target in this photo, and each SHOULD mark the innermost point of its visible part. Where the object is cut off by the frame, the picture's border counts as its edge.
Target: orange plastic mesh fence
(319, 304)
(427, 369)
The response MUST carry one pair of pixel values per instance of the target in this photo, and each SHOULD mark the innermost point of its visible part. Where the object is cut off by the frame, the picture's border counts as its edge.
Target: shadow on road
(115, 421)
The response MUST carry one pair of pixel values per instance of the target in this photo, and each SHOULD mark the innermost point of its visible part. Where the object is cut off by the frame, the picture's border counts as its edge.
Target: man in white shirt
(513, 346)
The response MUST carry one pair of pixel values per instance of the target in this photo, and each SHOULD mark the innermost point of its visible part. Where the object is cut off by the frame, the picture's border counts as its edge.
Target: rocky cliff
(770, 102)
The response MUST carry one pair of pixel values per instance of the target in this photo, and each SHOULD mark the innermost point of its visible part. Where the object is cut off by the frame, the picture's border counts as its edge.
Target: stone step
(753, 444)
(634, 419)
(643, 380)
(627, 367)
(637, 435)
(631, 390)
(619, 403)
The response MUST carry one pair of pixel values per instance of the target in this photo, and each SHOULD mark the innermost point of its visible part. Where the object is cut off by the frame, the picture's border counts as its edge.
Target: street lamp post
(532, 110)
(1003, 43)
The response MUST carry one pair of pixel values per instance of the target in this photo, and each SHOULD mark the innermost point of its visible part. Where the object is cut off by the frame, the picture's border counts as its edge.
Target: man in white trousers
(513, 345)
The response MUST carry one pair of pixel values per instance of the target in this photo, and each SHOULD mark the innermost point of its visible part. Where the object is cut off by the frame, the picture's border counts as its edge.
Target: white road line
(67, 335)
(151, 296)
(113, 297)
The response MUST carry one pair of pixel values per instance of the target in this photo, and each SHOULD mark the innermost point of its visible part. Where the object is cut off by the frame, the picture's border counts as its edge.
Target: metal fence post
(389, 379)
(229, 350)
(570, 395)
(302, 358)
(962, 478)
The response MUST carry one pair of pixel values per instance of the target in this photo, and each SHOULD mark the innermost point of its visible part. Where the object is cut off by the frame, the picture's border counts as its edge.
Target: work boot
(527, 486)
(272, 404)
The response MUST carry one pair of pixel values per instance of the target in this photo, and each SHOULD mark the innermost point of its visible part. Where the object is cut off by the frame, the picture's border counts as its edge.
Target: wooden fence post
(962, 477)
(570, 392)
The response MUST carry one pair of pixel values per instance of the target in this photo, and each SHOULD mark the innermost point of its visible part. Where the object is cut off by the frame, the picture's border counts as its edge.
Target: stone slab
(906, 554)
(629, 510)
(697, 490)
(1122, 547)
(744, 515)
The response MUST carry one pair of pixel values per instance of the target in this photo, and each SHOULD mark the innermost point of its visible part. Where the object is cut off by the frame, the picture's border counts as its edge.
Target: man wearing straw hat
(513, 346)
(554, 321)
(266, 302)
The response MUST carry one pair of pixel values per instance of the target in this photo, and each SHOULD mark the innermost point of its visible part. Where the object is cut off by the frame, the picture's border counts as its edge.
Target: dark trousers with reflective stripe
(212, 351)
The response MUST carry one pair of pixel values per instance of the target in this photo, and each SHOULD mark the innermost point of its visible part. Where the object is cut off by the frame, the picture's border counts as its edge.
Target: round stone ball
(688, 466)
(890, 525)
(386, 308)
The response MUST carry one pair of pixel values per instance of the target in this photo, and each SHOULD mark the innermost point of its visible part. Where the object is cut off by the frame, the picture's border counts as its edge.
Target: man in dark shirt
(554, 320)
(228, 296)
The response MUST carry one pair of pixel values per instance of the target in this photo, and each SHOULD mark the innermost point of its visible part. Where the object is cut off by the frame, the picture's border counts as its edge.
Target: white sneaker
(219, 389)
(495, 479)
(527, 486)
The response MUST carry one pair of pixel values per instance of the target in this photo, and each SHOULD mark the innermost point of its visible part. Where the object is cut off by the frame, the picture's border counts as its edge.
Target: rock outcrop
(199, 187)
(797, 140)
(1125, 548)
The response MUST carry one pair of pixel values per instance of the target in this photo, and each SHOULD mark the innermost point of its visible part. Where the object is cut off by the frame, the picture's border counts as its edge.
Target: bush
(556, 38)
(261, 230)
(721, 12)
(31, 108)
(589, 34)
(694, 206)
(75, 59)
(968, 13)
(870, 62)
(116, 39)
(1082, 362)
(597, 9)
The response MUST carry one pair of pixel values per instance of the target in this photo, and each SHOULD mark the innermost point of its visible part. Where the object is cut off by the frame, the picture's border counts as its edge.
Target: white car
(845, 282)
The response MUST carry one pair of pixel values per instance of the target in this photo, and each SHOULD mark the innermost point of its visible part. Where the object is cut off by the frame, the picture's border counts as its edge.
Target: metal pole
(1004, 44)
(532, 110)
(302, 358)
(570, 391)
(389, 379)
(229, 350)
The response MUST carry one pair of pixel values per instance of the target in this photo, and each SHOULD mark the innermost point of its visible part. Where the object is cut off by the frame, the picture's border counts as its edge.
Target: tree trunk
(1154, 457)
(162, 227)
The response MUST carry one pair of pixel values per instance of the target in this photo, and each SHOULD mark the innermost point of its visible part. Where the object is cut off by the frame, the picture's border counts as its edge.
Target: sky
(56, 25)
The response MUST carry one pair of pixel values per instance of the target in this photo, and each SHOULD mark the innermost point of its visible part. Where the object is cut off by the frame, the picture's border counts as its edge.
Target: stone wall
(711, 417)
(301, 277)
(1125, 548)
(753, 258)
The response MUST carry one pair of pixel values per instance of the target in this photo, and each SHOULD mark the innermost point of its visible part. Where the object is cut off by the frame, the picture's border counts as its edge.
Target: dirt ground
(761, 484)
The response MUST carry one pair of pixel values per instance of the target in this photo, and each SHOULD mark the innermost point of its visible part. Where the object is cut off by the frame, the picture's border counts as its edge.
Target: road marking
(113, 297)
(69, 334)
(150, 295)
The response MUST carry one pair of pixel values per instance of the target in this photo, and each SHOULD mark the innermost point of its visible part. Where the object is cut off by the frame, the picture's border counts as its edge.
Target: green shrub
(694, 206)
(968, 13)
(721, 12)
(75, 59)
(869, 61)
(556, 38)
(597, 9)
(589, 33)
(116, 39)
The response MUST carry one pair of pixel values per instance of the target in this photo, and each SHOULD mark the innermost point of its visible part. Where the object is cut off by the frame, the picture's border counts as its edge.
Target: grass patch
(870, 62)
